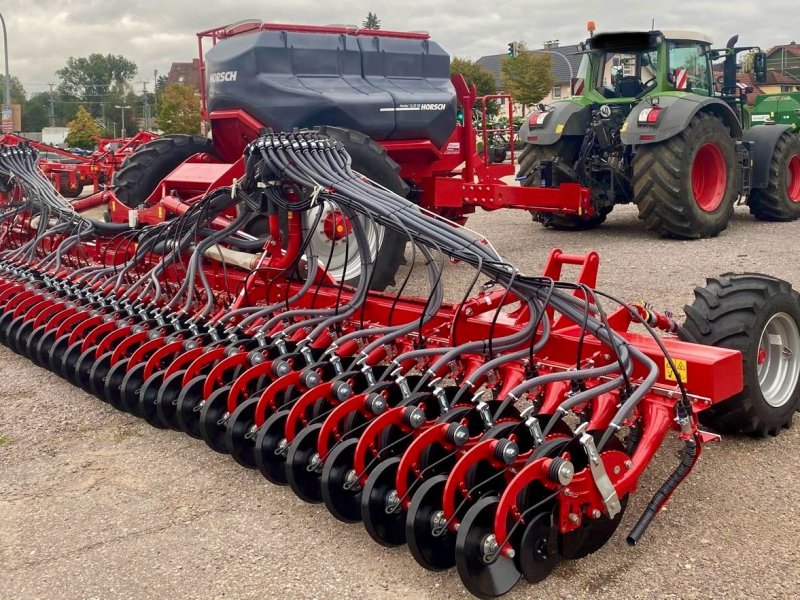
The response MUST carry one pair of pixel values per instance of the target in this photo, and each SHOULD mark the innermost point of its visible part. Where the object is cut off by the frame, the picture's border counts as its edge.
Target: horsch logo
(223, 76)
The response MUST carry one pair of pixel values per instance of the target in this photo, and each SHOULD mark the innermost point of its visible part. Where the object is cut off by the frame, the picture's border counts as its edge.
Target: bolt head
(574, 518)
(596, 514)
(565, 473)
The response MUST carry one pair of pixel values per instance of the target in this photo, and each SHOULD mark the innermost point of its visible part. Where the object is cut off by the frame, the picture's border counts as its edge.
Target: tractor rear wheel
(143, 170)
(759, 316)
(530, 160)
(685, 187)
(780, 200)
(387, 247)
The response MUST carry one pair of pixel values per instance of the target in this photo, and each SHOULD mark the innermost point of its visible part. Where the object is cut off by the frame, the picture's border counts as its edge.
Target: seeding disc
(269, 462)
(5, 326)
(97, 370)
(304, 482)
(188, 406)
(146, 400)
(213, 420)
(129, 389)
(113, 383)
(69, 360)
(239, 439)
(434, 552)
(23, 336)
(386, 528)
(55, 352)
(167, 400)
(538, 548)
(42, 341)
(595, 534)
(343, 503)
(483, 579)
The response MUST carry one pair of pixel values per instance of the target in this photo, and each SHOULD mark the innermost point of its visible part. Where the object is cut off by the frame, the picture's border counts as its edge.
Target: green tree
(93, 77)
(474, 74)
(371, 22)
(746, 61)
(17, 91)
(179, 110)
(81, 130)
(35, 116)
(528, 77)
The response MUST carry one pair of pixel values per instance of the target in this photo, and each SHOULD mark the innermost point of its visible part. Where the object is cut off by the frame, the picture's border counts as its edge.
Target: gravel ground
(96, 504)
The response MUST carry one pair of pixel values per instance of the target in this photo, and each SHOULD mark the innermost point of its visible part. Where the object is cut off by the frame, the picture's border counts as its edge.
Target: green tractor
(647, 125)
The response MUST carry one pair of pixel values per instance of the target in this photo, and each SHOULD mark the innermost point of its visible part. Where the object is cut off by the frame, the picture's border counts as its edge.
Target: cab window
(689, 67)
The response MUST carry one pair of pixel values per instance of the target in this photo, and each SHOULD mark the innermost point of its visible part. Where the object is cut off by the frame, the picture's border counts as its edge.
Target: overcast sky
(153, 33)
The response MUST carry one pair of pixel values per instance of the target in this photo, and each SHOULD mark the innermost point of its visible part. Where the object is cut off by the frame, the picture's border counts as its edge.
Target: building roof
(187, 73)
(792, 49)
(560, 70)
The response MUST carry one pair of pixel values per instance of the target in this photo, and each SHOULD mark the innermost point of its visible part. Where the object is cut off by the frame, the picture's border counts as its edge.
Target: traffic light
(513, 49)
(460, 115)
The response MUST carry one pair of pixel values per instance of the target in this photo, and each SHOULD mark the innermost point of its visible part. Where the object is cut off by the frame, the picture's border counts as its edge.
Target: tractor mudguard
(677, 112)
(564, 118)
(760, 141)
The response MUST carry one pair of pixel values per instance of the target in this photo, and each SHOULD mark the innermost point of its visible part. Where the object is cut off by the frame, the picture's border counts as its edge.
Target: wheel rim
(709, 177)
(339, 247)
(793, 183)
(778, 359)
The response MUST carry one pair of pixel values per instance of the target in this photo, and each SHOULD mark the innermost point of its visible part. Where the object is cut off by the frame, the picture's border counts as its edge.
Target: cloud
(44, 33)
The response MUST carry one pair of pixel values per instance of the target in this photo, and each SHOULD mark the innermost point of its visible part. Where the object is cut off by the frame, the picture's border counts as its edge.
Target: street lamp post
(566, 60)
(122, 129)
(7, 77)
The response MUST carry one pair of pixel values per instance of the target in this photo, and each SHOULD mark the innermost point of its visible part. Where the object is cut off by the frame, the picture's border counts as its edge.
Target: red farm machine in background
(70, 173)
(237, 296)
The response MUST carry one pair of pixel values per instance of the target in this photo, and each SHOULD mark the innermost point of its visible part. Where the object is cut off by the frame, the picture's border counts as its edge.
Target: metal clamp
(601, 480)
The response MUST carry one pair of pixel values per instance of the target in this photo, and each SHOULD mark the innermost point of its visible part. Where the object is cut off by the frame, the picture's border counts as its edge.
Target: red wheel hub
(336, 226)
(793, 182)
(709, 177)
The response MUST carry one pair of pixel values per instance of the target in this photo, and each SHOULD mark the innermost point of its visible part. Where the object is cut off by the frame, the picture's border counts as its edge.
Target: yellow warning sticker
(680, 365)
(559, 128)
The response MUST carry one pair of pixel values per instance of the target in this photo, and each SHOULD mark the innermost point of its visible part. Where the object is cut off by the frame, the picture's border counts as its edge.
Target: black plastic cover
(386, 88)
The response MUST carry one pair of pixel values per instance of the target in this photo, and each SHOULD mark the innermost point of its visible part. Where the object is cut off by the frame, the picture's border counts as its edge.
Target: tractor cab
(626, 66)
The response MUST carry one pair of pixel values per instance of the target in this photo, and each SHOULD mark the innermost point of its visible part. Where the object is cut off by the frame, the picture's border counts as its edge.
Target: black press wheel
(483, 572)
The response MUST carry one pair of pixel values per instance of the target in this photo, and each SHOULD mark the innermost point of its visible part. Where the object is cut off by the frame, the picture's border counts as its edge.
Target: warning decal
(680, 365)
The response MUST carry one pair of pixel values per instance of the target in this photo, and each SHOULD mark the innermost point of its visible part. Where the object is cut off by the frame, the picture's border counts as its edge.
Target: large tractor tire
(759, 316)
(143, 170)
(685, 187)
(780, 200)
(387, 246)
(530, 159)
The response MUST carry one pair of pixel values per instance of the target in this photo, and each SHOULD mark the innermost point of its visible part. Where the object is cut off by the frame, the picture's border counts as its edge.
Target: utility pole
(146, 115)
(155, 92)
(52, 106)
(122, 129)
